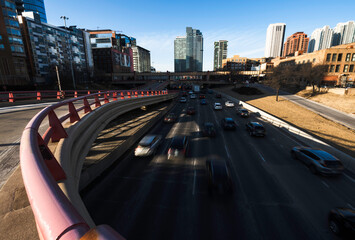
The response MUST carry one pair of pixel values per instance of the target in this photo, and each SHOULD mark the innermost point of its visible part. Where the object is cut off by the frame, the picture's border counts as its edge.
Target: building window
(331, 69)
(351, 69)
(347, 58)
(346, 68)
(2, 46)
(353, 58)
(337, 67)
(334, 57)
(340, 56)
(328, 57)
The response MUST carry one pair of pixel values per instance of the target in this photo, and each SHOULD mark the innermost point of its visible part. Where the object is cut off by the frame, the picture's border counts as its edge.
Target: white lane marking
(325, 184)
(261, 156)
(350, 206)
(350, 178)
(194, 183)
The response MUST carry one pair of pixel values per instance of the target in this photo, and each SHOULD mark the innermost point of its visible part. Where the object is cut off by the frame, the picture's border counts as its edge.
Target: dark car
(178, 147)
(203, 102)
(255, 129)
(228, 124)
(218, 174)
(341, 222)
(218, 95)
(242, 112)
(209, 130)
(318, 161)
(184, 93)
(170, 118)
(210, 91)
(191, 111)
(202, 96)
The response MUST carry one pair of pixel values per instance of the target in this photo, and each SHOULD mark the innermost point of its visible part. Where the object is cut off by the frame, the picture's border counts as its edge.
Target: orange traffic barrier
(11, 97)
(39, 97)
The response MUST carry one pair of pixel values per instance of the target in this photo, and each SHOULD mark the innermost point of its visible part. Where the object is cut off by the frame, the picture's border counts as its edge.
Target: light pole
(71, 55)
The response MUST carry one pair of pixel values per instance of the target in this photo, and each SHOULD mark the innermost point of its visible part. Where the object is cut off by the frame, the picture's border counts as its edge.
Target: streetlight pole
(71, 55)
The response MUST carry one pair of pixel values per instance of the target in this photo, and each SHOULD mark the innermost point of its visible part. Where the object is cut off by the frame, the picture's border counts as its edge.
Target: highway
(274, 196)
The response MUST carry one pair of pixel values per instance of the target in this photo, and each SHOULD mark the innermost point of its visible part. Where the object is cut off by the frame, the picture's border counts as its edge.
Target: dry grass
(333, 133)
(343, 103)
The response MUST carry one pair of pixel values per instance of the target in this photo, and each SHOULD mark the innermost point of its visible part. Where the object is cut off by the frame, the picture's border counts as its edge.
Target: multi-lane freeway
(274, 196)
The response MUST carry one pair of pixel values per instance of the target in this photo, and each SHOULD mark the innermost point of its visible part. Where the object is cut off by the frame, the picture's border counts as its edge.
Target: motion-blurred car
(229, 104)
(170, 118)
(191, 111)
(193, 96)
(217, 106)
(318, 161)
(208, 129)
(242, 112)
(203, 102)
(228, 124)
(183, 100)
(184, 93)
(202, 96)
(341, 222)
(210, 91)
(218, 174)
(191, 92)
(255, 129)
(218, 95)
(178, 147)
(148, 145)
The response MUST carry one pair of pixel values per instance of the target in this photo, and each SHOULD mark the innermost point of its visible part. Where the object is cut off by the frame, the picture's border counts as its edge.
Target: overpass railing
(56, 217)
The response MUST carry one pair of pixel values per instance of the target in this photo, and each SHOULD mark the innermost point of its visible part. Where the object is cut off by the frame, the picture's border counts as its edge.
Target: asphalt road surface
(274, 196)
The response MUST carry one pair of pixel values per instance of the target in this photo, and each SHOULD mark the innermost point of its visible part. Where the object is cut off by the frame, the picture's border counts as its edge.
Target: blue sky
(155, 24)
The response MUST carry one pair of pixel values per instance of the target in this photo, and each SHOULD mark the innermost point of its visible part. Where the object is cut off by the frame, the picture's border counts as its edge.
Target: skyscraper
(296, 42)
(188, 51)
(344, 33)
(36, 6)
(220, 53)
(274, 39)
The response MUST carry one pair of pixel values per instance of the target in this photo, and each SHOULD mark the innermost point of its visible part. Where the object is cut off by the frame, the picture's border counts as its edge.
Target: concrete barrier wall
(71, 152)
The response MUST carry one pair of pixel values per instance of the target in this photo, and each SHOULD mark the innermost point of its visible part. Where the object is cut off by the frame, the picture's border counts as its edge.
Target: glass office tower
(36, 6)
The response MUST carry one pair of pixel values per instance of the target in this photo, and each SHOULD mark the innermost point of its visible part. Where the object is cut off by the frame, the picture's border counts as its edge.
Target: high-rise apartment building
(188, 51)
(344, 33)
(36, 6)
(321, 38)
(141, 59)
(48, 47)
(220, 53)
(13, 68)
(274, 39)
(296, 42)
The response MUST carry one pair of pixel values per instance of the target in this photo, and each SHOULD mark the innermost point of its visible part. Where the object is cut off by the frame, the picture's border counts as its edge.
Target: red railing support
(136, 94)
(39, 97)
(129, 94)
(58, 130)
(74, 116)
(122, 97)
(105, 98)
(51, 162)
(97, 101)
(87, 107)
(142, 93)
(114, 96)
(11, 97)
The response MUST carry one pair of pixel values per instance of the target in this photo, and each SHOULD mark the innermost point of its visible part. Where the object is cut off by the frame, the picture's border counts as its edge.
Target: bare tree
(313, 74)
(281, 76)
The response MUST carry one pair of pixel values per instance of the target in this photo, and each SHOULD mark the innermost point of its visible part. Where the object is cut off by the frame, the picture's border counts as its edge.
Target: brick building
(295, 43)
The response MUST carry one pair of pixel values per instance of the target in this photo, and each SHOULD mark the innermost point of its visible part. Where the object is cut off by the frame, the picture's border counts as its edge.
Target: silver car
(318, 160)
(147, 146)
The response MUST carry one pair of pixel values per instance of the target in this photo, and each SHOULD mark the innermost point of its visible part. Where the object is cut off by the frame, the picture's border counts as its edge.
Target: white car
(193, 96)
(217, 106)
(183, 100)
(229, 104)
(191, 92)
(148, 146)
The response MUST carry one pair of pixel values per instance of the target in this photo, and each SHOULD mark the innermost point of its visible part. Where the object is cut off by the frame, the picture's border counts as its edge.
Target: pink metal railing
(55, 216)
